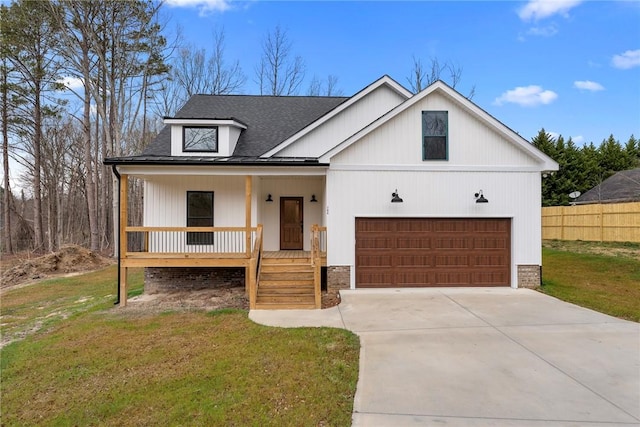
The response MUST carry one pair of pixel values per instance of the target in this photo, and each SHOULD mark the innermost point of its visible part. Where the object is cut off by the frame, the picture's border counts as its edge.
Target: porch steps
(285, 283)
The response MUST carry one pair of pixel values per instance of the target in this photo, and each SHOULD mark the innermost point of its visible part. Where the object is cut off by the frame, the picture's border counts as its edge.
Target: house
(622, 187)
(381, 189)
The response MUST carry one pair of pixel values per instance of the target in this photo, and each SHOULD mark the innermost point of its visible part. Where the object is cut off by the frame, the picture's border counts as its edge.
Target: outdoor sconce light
(313, 199)
(396, 198)
(269, 199)
(480, 197)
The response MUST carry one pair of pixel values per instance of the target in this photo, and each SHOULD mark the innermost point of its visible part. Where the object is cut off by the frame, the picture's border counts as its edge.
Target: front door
(291, 225)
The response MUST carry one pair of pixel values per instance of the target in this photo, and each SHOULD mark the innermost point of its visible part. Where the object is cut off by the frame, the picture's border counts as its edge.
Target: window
(199, 214)
(200, 138)
(434, 135)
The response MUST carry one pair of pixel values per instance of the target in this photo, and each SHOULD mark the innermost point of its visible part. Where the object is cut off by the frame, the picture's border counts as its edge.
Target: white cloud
(626, 60)
(554, 135)
(72, 83)
(205, 6)
(579, 139)
(527, 96)
(540, 9)
(587, 85)
(548, 31)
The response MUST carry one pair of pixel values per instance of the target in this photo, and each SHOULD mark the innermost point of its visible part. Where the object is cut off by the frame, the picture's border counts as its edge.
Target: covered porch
(274, 277)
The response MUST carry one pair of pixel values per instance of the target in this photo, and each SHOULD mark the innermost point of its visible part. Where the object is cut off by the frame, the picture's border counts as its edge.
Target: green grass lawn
(583, 275)
(90, 364)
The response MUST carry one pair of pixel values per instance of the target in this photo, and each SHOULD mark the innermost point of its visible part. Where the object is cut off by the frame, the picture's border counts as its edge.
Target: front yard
(70, 357)
(80, 361)
(602, 276)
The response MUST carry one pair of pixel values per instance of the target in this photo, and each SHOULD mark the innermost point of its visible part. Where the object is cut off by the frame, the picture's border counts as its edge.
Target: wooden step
(285, 299)
(285, 306)
(286, 276)
(291, 268)
(286, 287)
(286, 283)
(286, 261)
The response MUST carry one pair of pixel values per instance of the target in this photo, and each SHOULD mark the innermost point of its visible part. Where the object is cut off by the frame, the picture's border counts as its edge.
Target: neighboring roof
(624, 186)
(548, 164)
(270, 119)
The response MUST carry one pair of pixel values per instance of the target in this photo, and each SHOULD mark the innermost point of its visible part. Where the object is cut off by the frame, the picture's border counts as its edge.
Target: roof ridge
(271, 96)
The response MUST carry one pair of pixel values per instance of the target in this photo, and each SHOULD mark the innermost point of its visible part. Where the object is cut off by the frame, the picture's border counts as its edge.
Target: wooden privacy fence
(617, 222)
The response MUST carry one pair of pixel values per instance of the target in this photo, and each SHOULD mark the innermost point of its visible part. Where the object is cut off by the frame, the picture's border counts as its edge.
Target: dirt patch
(69, 259)
(204, 299)
(200, 300)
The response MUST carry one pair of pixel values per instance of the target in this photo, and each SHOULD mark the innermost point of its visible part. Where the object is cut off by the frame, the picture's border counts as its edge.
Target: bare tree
(114, 47)
(30, 36)
(422, 76)
(6, 193)
(278, 73)
(194, 72)
(225, 78)
(317, 87)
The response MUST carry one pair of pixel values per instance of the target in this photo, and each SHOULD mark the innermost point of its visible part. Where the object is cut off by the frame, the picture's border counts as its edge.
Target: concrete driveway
(483, 357)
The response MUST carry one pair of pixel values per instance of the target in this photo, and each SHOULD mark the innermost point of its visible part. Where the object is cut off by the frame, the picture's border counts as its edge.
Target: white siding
(165, 202)
(443, 194)
(399, 141)
(269, 213)
(165, 199)
(345, 124)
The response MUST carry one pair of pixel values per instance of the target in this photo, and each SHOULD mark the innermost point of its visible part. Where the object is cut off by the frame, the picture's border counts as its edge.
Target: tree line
(582, 167)
(81, 81)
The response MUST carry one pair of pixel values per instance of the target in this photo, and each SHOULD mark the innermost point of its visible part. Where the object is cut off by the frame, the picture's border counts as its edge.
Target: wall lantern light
(269, 199)
(313, 199)
(396, 198)
(480, 197)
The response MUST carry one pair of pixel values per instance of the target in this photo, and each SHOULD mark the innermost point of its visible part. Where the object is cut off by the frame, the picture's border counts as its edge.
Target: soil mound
(69, 259)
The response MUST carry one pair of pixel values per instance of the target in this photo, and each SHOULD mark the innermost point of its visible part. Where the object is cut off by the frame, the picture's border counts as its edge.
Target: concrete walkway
(483, 357)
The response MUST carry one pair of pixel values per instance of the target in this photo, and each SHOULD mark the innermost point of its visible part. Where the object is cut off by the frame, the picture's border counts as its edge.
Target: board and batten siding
(165, 199)
(345, 124)
(362, 177)
(399, 141)
(439, 194)
(269, 212)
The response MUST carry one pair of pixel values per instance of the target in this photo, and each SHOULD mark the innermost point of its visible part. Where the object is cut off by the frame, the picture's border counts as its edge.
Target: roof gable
(441, 89)
(385, 81)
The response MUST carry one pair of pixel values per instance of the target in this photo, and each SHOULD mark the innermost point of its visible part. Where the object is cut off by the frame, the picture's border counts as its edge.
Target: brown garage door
(420, 252)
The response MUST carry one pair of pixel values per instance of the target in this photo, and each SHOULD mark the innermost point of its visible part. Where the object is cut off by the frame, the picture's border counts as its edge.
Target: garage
(423, 252)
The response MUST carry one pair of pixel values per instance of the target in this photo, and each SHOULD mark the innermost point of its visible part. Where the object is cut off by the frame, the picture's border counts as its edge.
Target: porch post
(124, 196)
(249, 269)
(247, 213)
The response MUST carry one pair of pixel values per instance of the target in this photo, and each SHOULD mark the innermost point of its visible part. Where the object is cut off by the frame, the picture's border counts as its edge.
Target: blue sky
(570, 66)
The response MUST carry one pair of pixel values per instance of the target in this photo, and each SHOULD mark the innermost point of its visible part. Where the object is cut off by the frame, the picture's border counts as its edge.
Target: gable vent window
(200, 139)
(199, 214)
(435, 126)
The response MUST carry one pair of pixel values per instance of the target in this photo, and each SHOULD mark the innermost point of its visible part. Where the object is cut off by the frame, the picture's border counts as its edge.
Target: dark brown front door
(417, 252)
(291, 224)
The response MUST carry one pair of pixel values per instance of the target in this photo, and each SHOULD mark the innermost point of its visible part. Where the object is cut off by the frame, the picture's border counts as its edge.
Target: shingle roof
(624, 186)
(269, 119)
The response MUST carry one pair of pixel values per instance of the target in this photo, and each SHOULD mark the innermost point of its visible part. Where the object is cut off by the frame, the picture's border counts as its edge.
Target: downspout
(117, 174)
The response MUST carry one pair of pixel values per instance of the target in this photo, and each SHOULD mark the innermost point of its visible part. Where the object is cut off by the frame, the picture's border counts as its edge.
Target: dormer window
(200, 139)
(204, 137)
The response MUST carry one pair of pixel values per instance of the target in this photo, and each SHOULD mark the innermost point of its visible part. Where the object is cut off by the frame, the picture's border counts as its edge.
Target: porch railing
(318, 250)
(254, 268)
(191, 240)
